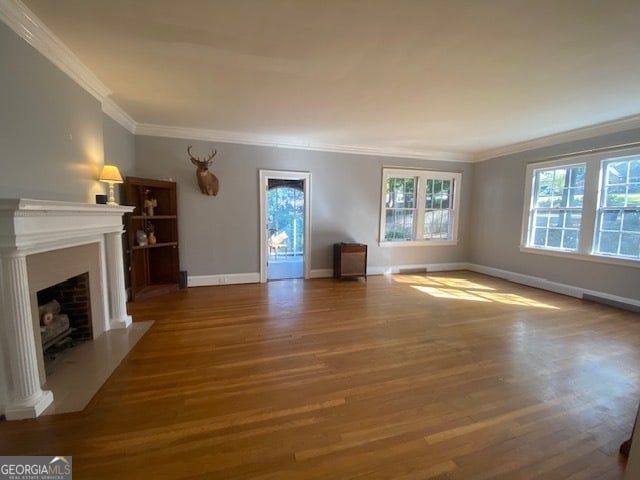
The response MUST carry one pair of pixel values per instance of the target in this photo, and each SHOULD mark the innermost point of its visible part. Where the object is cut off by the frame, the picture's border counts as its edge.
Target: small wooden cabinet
(349, 260)
(154, 266)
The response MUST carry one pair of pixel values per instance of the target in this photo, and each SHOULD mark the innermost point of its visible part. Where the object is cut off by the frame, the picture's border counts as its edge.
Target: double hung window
(556, 210)
(618, 223)
(419, 207)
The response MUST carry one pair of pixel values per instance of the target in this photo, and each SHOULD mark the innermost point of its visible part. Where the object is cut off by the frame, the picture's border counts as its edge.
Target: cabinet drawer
(353, 248)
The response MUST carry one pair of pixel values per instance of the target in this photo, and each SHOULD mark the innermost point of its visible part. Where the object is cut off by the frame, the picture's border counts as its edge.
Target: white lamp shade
(111, 174)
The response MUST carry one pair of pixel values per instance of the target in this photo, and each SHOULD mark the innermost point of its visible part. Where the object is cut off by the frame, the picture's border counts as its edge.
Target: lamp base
(112, 197)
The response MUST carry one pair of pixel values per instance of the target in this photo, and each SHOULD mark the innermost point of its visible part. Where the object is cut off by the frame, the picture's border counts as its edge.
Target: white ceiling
(415, 76)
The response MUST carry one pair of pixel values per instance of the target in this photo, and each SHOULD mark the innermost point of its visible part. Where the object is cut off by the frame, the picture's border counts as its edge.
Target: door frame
(265, 175)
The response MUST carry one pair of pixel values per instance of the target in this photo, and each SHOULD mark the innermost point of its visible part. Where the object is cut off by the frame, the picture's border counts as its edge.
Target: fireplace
(44, 243)
(50, 277)
(64, 313)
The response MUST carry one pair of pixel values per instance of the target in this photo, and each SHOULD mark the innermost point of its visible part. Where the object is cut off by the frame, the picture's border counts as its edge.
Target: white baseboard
(227, 279)
(321, 273)
(556, 287)
(417, 268)
(398, 269)
(528, 280)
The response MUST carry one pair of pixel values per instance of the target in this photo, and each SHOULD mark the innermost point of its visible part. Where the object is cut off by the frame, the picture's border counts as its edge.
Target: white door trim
(265, 175)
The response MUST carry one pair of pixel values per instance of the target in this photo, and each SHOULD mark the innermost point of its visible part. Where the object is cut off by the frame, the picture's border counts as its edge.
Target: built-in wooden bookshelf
(154, 267)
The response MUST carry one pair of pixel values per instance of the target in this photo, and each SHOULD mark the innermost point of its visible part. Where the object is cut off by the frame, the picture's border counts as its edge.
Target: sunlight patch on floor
(439, 282)
(460, 289)
(451, 293)
(513, 299)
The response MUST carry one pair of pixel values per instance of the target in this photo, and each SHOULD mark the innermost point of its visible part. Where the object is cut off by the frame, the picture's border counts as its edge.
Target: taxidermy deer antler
(207, 181)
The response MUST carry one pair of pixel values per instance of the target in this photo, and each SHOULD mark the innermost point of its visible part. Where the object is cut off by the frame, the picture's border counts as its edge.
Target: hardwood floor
(447, 376)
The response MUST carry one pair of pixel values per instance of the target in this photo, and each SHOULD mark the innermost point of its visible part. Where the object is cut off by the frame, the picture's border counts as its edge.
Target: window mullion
(421, 188)
(383, 207)
(588, 234)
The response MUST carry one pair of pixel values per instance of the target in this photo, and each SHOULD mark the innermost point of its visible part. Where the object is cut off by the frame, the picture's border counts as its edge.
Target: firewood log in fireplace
(48, 311)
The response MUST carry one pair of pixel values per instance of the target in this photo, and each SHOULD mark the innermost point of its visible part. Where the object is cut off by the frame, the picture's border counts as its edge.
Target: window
(556, 209)
(419, 207)
(589, 207)
(618, 230)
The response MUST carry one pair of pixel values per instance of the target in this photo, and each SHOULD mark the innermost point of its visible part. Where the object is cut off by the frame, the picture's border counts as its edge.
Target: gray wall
(51, 130)
(496, 223)
(220, 235)
(119, 150)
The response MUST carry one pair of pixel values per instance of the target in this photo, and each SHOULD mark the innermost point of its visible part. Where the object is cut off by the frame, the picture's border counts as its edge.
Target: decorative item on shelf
(101, 199)
(149, 203)
(207, 181)
(110, 174)
(151, 235)
(142, 238)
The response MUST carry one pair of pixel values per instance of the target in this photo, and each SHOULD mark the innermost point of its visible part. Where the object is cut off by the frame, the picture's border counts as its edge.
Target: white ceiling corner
(614, 126)
(118, 114)
(26, 24)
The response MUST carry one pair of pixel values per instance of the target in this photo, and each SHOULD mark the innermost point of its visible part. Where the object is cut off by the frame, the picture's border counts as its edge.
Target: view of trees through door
(285, 223)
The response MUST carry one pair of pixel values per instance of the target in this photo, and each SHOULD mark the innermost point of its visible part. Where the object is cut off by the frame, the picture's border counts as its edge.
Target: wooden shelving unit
(154, 268)
(157, 245)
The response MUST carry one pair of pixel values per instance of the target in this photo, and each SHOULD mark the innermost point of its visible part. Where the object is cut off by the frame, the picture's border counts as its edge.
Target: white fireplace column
(118, 317)
(25, 397)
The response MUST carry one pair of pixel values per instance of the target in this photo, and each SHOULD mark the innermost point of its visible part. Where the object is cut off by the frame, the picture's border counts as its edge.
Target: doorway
(284, 218)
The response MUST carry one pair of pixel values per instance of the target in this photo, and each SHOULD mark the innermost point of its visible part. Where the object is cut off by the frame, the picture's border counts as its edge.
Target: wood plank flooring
(447, 376)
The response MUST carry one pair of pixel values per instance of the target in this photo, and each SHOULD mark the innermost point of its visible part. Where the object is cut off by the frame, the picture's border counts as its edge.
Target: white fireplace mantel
(28, 227)
(34, 226)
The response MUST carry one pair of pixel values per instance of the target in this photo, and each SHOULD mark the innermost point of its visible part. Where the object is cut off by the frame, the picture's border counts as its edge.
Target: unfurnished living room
(320, 239)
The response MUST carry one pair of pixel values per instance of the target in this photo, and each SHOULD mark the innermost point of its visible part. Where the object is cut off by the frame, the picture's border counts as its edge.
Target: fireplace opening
(64, 310)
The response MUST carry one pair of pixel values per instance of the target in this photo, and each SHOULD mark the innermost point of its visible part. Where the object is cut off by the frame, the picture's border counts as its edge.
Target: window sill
(420, 243)
(588, 257)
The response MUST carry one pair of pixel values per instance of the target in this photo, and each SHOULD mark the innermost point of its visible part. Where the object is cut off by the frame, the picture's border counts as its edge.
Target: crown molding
(433, 155)
(605, 128)
(25, 23)
(31, 29)
(112, 109)
(286, 142)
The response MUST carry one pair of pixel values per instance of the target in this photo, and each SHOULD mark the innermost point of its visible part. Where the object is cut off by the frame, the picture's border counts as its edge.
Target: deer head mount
(207, 181)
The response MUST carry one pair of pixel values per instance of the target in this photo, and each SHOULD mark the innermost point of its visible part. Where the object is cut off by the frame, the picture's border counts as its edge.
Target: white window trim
(392, 172)
(589, 257)
(591, 202)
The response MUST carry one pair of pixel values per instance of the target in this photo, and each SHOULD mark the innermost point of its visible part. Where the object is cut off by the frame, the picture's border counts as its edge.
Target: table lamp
(111, 175)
